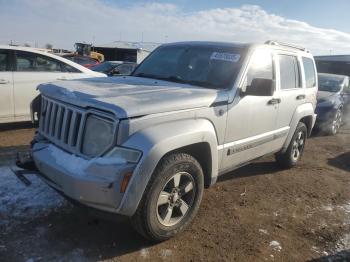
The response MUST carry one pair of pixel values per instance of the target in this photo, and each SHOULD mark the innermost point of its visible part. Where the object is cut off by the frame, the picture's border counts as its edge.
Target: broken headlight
(98, 136)
(125, 154)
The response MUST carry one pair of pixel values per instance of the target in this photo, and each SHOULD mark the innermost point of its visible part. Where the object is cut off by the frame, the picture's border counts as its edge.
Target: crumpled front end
(96, 182)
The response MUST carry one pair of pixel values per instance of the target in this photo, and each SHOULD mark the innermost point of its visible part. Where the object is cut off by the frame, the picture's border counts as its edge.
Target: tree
(27, 45)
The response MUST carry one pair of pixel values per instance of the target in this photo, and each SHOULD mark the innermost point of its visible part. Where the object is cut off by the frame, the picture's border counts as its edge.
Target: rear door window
(310, 73)
(289, 71)
(31, 62)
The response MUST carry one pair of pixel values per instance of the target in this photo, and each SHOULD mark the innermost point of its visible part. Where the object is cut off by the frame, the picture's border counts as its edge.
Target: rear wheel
(291, 156)
(171, 199)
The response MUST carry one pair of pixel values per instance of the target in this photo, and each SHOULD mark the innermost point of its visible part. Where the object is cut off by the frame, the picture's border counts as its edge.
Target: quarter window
(310, 74)
(289, 71)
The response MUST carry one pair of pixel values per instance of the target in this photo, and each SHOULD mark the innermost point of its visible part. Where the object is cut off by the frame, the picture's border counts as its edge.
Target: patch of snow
(344, 242)
(166, 253)
(275, 245)
(276, 214)
(264, 231)
(346, 208)
(21, 203)
(144, 253)
(327, 208)
(68, 93)
(78, 165)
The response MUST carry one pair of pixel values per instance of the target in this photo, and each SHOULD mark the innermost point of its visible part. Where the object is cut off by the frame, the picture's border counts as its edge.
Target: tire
(335, 124)
(167, 209)
(295, 149)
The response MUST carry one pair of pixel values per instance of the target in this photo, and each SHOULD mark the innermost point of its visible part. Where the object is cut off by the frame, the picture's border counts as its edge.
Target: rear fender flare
(302, 111)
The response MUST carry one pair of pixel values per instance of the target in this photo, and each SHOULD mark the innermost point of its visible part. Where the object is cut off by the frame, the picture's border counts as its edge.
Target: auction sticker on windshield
(234, 58)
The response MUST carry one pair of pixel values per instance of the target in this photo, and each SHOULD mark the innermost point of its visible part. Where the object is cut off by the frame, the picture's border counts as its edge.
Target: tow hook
(27, 165)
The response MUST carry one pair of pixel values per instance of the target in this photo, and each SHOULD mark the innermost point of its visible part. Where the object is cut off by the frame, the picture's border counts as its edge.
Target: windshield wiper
(145, 75)
(176, 79)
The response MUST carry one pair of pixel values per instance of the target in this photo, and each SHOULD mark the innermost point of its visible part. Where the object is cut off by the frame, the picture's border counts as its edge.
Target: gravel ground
(257, 213)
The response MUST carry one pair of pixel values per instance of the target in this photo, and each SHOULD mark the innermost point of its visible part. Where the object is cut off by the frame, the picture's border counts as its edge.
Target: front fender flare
(157, 141)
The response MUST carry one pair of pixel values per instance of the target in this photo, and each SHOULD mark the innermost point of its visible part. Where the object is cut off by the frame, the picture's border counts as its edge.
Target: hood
(324, 95)
(129, 96)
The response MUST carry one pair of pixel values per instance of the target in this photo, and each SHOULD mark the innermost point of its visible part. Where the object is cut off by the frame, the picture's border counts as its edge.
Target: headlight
(98, 136)
(127, 154)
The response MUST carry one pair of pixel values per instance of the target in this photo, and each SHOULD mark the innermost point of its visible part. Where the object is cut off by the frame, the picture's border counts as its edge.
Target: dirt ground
(256, 213)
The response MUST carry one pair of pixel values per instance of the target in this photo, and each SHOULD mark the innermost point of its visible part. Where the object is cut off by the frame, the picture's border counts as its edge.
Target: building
(125, 51)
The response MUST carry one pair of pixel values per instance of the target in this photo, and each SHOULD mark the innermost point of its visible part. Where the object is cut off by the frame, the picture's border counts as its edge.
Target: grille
(62, 124)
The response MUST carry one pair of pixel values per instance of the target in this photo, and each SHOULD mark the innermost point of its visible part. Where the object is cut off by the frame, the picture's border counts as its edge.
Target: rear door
(290, 91)
(31, 70)
(6, 86)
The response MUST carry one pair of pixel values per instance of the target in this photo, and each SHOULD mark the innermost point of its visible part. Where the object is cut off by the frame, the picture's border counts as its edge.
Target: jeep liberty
(146, 145)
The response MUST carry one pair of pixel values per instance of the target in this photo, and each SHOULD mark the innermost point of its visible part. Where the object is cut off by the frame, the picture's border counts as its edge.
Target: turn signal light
(125, 182)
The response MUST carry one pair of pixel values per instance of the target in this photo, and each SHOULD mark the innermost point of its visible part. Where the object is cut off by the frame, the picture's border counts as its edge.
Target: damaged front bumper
(95, 183)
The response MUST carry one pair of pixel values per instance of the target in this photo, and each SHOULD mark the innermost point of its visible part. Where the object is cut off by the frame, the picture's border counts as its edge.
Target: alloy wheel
(176, 199)
(336, 122)
(298, 145)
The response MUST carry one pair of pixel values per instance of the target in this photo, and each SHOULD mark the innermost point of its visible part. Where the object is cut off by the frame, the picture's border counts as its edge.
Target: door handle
(4, 81)
(274, 101)
(300, 97)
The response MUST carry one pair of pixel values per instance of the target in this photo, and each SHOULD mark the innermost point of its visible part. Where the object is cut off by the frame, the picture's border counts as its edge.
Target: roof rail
(272, 42)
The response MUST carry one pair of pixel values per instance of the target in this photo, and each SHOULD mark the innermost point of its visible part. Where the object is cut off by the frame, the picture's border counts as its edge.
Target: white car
(22, 70)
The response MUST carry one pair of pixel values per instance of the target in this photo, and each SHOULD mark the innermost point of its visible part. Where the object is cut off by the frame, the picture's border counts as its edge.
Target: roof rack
(272, 42)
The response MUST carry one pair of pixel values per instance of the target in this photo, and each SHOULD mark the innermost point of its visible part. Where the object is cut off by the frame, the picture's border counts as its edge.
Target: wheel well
(201, 152)
(307, 120)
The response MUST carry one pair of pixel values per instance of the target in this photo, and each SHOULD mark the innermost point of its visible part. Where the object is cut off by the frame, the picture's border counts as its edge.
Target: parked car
(332, 98)
(113, 68)
(145, 146)
(333, 64)
(22, 70)
(85, 61)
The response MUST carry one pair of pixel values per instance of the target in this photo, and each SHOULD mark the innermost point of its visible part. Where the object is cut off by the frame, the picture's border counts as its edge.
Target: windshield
(104, 67)
(206, 66)
(329, 84)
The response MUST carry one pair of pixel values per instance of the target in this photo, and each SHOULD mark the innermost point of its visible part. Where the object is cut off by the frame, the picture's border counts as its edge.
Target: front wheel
(171, 199)
(291, 156)
(336, 123)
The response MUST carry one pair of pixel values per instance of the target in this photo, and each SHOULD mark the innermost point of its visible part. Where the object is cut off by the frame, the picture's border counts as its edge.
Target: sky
(321, 26)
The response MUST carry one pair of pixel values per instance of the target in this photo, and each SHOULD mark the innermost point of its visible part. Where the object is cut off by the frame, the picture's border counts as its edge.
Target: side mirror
(260, 87)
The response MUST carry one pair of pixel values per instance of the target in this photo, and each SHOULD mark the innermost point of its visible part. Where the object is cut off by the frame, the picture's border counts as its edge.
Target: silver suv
(145, 146)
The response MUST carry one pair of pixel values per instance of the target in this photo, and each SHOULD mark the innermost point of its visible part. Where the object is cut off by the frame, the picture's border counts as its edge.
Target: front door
(6, 87)
(251, 119)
